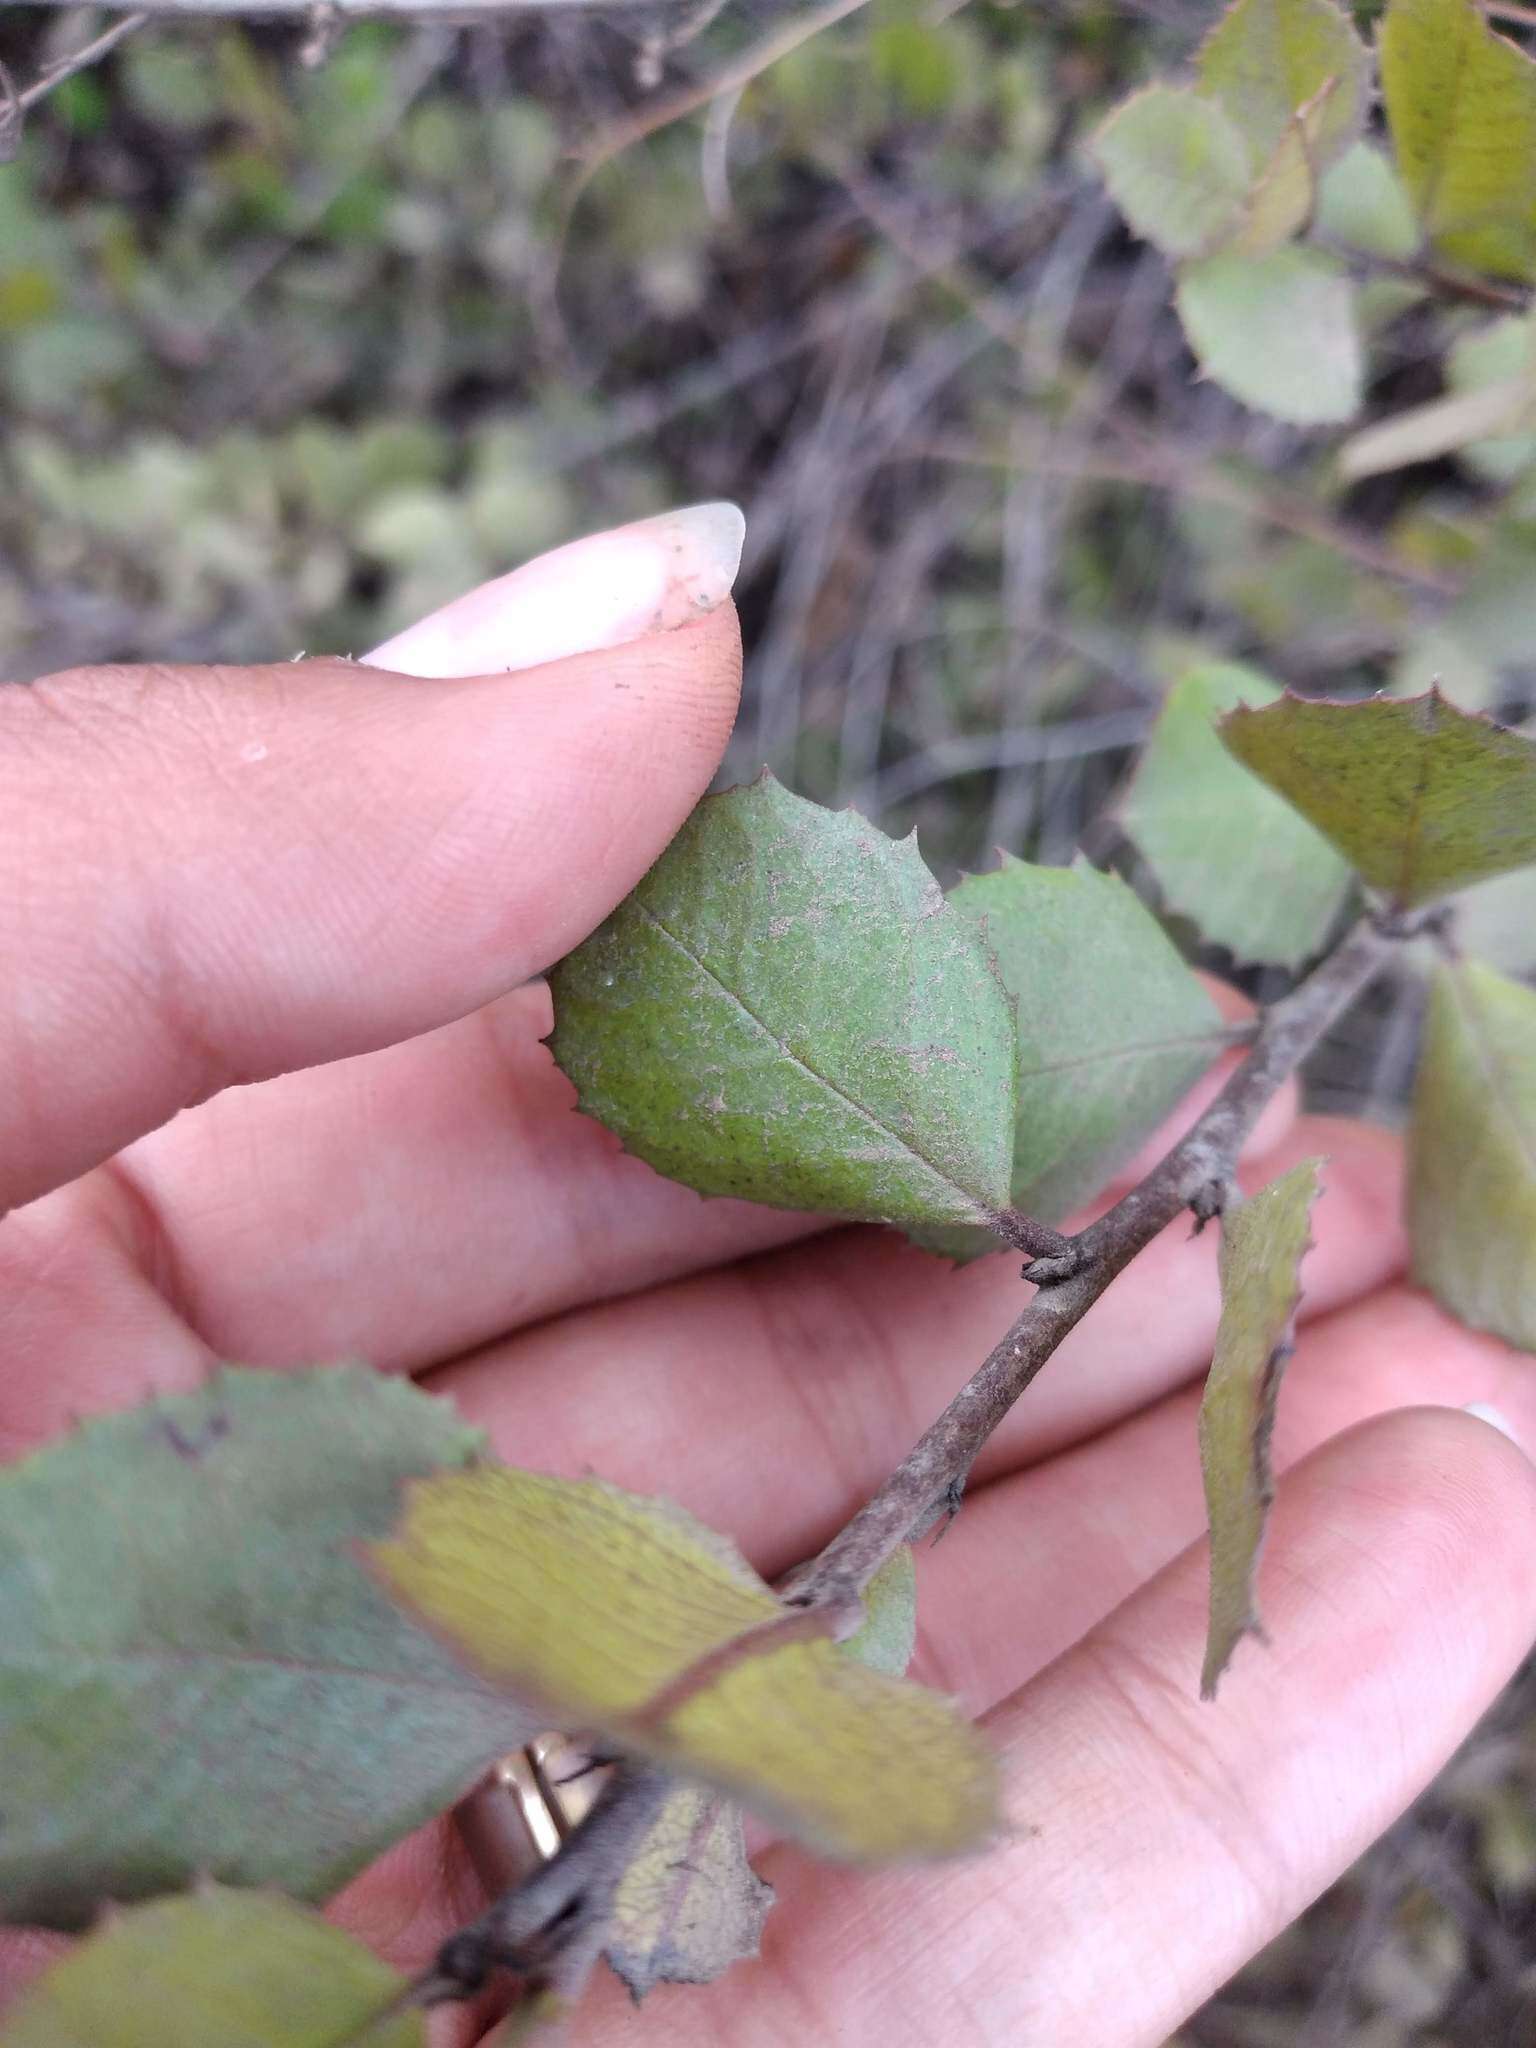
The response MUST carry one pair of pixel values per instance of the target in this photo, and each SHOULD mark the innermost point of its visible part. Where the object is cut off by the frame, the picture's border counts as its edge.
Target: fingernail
(1494, 1417)
(594, 593)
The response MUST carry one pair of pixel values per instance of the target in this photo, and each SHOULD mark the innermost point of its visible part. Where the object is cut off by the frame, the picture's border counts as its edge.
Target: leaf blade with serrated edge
(1265, 60)
(1419, 797)
(226, 1969)
(1461, 109)
(785, 1009)
(1277, 330)
(1227, 852)
(1472, 1152)
(1113, 1027)
(185, 1624)
(1262, 1243)
(1176, 167)
(534, 1581)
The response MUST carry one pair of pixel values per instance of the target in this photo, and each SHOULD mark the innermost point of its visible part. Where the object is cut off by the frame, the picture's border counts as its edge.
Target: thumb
(211, 876)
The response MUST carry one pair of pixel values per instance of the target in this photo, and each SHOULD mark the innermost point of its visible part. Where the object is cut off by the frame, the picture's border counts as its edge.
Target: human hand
(344, 881)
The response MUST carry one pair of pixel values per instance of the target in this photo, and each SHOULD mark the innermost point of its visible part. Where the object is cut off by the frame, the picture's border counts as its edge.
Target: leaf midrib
(1216, 1038)
(981, 1210)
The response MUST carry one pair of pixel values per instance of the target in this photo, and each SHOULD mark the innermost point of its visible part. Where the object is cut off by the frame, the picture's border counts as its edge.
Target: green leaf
(1278, 331)
(1420, 798)
(1492, 356)
(1361, 202)
(1472, 1152)
(1461, 105)
(889, 1634)
(690, 1904)
(198, 1676)
(626, 1617)
(216, 1969)
(1265, 60)
(1113, 1028)
(1227, 852)
(1262, 1243)
(1176, 168)
(786, 1009)
(1496, 921)
(1285, 193)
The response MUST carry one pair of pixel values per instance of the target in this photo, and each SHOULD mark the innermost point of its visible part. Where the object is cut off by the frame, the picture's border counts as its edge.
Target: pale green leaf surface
(690, 1904)
(1113, 1027)
(1496, 921)
(786, 1009)
(1262, 1242)
(214, 1969)
(1285, 192)
(1494, 355)
(594, 1604)
(1472, 1152)
(1228, 853)
(198, 1677)
(1176, 167)
(1266, 59)
(889, 1634)
(1461, 107)
(1421, 799)
(1278, 330)
(1361, 202)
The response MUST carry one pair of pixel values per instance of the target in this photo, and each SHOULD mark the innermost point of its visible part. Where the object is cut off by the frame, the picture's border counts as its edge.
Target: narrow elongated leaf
(625, 1617)
(196, 1674)
(1461, 105)
(1113, 1028)
(216, 1969)
(1267, 59)
(1279, 331)
(786, 1009)
(1176, 167)
(1472, 1152)
(1441, 427)
(1262, 1242)
(690, 1904)
(1227, 852)
(1420, 798)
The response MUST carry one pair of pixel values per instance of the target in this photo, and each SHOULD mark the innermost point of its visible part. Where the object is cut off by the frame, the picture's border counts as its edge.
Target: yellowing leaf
(1262, 1242)
(1279, 331)
(1267, 60)
(787, 1010)
(1226, 852)
(1461, 105)
(1420, 798)
(603, 1610)
(1176, 168)
(215, 1969)
(1472, 1152)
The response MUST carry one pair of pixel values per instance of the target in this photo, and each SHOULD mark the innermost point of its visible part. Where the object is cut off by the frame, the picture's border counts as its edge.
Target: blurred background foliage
(291, 352)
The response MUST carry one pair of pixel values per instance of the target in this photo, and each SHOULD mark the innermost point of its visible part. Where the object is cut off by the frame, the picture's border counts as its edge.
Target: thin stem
(1201, 1165)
